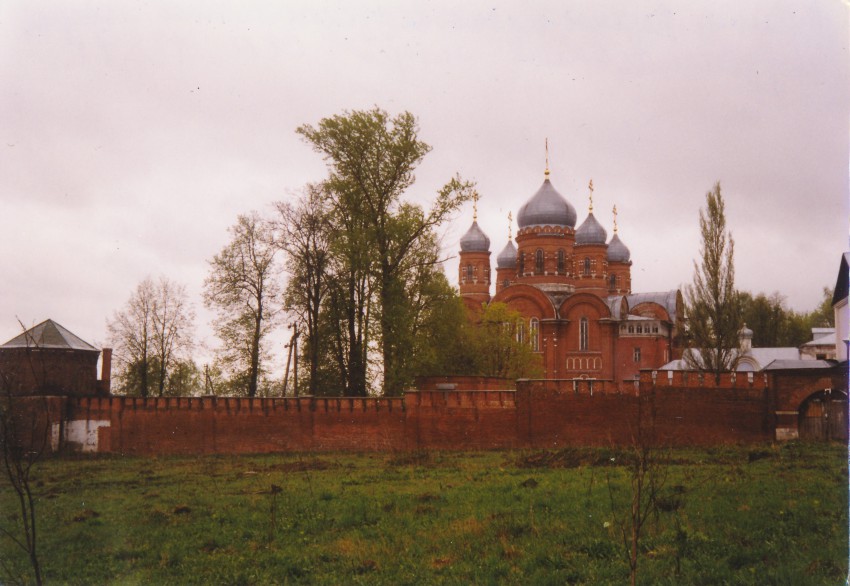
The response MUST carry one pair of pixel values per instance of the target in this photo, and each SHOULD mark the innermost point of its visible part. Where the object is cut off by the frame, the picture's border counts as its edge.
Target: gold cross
(615, 218)
(510, 225)
(547, 157)
(474, 206)
(590, 187)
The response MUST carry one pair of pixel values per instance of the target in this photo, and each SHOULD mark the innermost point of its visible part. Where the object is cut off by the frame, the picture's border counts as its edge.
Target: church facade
(572, 287)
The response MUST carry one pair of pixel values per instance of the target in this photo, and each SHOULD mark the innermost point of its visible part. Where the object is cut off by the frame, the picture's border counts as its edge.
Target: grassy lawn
(769, 514)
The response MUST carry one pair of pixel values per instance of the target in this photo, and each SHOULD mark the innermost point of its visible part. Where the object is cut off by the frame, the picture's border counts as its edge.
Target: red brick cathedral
(573, 288)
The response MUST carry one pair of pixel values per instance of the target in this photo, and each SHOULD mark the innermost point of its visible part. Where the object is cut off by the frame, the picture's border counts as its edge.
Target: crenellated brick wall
(682, 409)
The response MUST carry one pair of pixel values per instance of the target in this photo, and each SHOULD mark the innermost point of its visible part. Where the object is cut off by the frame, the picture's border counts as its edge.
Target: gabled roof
(798, 364)
(843, 282)
(49, 334)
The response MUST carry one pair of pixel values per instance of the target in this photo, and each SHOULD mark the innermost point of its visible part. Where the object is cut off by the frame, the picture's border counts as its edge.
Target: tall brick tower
(474, 266)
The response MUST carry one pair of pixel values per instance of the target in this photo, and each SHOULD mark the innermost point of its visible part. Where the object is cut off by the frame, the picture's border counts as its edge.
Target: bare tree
(151, 333)
(242, 288)
(25, 424)
(647, 465)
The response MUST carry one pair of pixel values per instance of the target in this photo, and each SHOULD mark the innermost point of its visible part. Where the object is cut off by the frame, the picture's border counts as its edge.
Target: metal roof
(547, 207)
(666, 299)
(49, 334)
(617, 251)
(591, 232)
(507, 258)
(475, 240)
(799, 365)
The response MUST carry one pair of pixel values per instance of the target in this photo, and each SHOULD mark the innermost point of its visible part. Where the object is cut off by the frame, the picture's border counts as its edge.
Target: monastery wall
(538, 414)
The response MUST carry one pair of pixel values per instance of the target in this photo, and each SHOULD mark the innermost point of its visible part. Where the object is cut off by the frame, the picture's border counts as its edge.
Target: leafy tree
(498, 352)
(823, 315)
(241, 287)
(151, 334)
(775, 325)
(371, 159)
(713, 305)
(304, 232)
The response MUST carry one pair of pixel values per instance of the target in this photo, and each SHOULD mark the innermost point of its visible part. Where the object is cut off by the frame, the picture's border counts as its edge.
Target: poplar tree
(713, 305)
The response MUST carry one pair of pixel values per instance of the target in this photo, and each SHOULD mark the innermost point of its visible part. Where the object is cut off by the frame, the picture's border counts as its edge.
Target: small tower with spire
(590, 253)
(619, 264)
(474, 266)
(506, 261)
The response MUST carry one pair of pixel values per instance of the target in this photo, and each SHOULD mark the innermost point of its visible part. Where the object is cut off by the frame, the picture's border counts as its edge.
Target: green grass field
(750, 515)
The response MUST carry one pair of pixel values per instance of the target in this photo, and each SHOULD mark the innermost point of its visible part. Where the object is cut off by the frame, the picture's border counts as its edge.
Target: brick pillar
(106, 372)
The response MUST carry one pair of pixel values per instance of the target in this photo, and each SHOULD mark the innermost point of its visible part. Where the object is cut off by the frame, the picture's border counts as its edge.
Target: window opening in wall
(631, 329)
(640, 329)
(613, 281)
(582, 336)
(506, 283)
(469, 272)
(520, 332)
(561, 262)
(654, 329)
(586, 266)
(637, 355)
(534, 332)
(521, 264)
(538, 262)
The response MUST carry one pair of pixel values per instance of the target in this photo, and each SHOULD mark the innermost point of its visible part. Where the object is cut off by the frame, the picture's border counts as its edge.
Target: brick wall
(539, 414)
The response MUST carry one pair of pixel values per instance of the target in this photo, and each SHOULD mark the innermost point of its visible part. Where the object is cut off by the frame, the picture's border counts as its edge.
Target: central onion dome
(507, 258)
(617, 251)
(475, 240)
(591, 232)
(547, 207)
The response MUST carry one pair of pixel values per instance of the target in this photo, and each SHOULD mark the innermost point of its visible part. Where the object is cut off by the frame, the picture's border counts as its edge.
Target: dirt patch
(304, 465)
(85, 516)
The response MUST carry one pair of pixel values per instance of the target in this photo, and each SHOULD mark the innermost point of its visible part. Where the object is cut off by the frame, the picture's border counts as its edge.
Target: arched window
(583, 334)
(506, 283)
(613, 281)
(469, 272)
(586, 266)
(538, 262)
(561, 259)
(534, 332)
(520, 331)
(521, 264)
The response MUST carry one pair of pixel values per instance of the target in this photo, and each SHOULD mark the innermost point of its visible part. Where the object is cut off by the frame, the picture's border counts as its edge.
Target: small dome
(617, 251)
(745, 332)
(475, 240)
(547, 207)
(507, 258)
(591, 232)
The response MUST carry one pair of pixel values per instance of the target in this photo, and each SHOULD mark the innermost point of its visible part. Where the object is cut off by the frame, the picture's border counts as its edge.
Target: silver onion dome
(617, 251)
(591, 232)
(547, 207)
(475, 240)
(507, 258)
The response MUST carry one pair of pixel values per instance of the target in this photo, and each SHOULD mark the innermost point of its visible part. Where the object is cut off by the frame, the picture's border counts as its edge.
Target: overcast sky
(134, 133)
